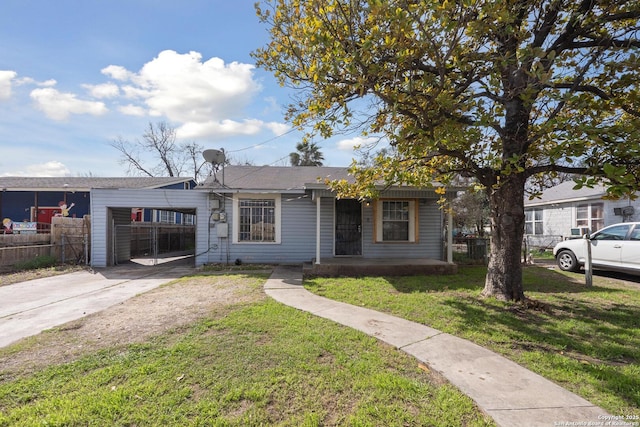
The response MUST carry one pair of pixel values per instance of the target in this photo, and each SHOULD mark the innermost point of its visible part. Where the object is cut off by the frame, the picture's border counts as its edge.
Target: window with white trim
(188, 219)
(590, 215)
(396, 221)
(533, 224)
(256, 219)
(167, 217)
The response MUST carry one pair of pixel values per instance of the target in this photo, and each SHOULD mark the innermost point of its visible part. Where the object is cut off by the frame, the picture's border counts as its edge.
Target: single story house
(267, 214)
(562, 212)
(37, 200)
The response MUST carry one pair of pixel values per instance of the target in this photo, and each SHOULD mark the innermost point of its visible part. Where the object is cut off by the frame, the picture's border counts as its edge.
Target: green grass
(43, 261)
(251, 364)
(542, 254)
(585, 339)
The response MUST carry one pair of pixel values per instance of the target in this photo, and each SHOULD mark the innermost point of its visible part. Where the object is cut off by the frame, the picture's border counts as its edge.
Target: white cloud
(226, 128)
(58, 105)
(52, 168)
(48, 169)
(8, 79)
(106, 90)
(117, 72)
(5, 83)
(353, 143)
(208, 98)
(184, 89)
(132, 92)
(30, 81)
(219, 129)
(278, 128)
(132, 110)
(204, 98)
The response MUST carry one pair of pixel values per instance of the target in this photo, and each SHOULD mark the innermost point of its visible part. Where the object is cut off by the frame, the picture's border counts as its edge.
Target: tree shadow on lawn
(544, 280)
(591, 332)
(594, 341)
(535, 279)
(467, 278)
(603, 332)
(616, 275)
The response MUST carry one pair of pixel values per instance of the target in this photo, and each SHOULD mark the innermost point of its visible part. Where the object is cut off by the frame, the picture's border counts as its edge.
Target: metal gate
(151, 241)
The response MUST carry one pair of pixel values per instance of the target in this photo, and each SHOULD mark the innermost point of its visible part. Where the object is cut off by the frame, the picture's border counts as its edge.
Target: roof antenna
(217, 158)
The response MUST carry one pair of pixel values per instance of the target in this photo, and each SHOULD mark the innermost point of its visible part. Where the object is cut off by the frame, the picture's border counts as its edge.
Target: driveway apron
(28, 308)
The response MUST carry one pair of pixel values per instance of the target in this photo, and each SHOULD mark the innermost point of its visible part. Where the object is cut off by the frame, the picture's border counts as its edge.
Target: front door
(348, 233)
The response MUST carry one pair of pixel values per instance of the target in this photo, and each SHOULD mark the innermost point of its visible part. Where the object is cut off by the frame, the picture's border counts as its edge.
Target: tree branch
(606, 43)
(574, 170)
(129, 157)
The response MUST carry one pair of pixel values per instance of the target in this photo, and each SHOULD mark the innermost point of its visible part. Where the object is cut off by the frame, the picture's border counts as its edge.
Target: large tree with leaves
(503, 91)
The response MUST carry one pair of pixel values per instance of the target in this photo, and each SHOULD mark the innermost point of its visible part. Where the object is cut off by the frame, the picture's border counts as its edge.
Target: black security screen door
(348, 227)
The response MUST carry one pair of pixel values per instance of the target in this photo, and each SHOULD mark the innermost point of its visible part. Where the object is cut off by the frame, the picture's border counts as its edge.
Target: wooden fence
(68, 242)
(70, 239)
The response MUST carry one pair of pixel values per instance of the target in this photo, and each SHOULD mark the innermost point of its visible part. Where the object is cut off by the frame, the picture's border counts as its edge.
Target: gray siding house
(288, 215)
(562, 212)
(251, 214)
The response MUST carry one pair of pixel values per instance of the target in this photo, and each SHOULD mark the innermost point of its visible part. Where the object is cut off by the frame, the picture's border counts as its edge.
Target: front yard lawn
(244, 364)
(585, 339)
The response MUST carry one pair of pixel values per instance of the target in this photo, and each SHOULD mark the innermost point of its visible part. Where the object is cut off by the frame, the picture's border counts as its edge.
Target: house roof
(284, 179)
(564, 192)
(274, 177)
(20, 183)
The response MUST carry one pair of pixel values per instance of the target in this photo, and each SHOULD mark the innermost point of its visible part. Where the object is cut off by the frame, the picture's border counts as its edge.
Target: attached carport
(111, 219)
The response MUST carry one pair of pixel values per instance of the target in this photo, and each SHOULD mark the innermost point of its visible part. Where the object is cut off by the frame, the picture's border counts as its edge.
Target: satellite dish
(215, 157)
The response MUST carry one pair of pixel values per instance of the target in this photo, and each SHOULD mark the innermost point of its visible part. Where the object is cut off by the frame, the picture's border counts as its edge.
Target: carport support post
(588, 270)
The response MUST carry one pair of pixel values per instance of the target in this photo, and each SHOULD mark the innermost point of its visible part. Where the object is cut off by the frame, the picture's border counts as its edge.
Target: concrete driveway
(28, 308)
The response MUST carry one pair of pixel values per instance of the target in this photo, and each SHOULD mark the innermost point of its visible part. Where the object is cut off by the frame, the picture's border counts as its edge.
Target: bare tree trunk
(504, 274)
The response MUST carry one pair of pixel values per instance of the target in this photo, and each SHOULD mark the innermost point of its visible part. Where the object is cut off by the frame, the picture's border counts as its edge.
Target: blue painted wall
(16, 205)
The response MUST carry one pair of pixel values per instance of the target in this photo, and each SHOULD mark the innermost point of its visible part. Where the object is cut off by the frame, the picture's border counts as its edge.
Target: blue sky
(76, 75)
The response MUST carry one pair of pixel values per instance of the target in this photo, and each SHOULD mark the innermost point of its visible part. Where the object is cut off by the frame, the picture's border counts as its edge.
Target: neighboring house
(562, 212)
(251, 214)
(36, 200)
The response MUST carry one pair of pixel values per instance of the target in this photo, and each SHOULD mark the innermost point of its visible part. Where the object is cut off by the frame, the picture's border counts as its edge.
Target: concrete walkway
(30, 307)
(509, 393)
